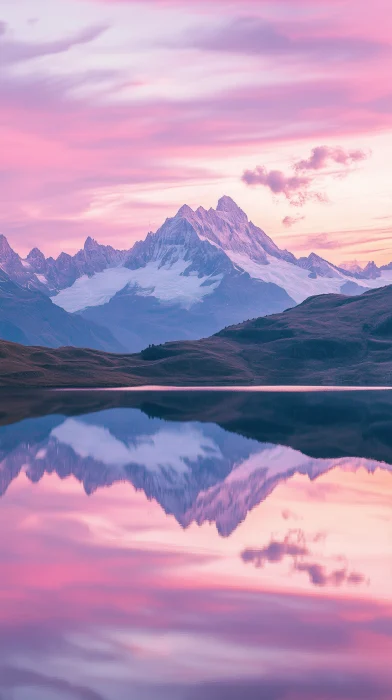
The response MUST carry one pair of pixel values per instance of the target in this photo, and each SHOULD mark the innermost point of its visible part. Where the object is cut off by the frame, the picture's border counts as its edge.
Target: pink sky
(115, 113)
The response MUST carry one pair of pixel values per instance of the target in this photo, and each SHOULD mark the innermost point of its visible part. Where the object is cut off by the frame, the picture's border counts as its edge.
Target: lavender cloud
(295, 546)
(322, 156)
(318, 575)
(253, 35)
(16, 51)
(294, 187)
(290, 221)
(297, 187)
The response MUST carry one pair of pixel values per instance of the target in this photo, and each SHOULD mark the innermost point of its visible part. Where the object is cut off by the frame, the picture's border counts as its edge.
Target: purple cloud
(277, 182)
(253, 35)
(293, 545)
(318, 575)
(290, 221)
(295, 187)
(322, 156)
(14, 51)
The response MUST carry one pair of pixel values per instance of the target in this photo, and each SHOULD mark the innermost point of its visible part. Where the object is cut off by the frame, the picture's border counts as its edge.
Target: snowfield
(166, 283)
(296, 281)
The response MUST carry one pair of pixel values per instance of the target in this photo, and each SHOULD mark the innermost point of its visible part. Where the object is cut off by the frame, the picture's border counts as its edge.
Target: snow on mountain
(166, 283)
(175, 284)
(18, 270)
(184, 261)
(49, 275)
(29, 317)
(200, 271)
(351, 266)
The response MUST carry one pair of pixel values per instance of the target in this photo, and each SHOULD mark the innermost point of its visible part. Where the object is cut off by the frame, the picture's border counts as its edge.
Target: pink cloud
(294, 187)
(322, 156)
(290, 221)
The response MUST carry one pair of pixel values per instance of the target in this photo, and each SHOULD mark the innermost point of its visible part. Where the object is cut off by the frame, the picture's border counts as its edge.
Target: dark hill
(327, 340)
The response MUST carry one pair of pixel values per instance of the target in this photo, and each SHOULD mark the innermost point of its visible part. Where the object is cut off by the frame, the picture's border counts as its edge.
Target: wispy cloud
(16, 51)
(254, 35)
(290, 221)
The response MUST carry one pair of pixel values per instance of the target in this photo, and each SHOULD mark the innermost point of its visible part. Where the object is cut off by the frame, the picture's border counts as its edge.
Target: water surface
(180, 546)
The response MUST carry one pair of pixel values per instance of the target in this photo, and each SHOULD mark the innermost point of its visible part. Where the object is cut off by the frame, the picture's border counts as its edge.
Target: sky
(114, 113)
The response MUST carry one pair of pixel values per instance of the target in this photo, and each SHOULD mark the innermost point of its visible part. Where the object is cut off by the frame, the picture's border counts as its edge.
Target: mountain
(326, 340)
(28, 316)
(50, 275)
(175, 283)
(200, 271)
(197, 472)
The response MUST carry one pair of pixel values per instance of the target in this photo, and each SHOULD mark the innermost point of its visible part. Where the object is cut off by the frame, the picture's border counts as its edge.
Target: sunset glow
(116, 113)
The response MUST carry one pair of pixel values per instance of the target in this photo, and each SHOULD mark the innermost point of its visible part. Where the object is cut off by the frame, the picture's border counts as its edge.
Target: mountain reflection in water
(231, 546)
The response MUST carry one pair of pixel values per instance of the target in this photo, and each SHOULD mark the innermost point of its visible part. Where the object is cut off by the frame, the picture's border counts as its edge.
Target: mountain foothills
(327, 340)
(27, 316)
(201, 271)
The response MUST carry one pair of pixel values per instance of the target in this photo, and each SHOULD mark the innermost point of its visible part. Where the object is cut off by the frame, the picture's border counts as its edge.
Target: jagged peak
(313, 257)
(34, 254)
(370, 266)
(64, 257)
(185, 211)
(90, 243)
(4, 245)
(227, 205)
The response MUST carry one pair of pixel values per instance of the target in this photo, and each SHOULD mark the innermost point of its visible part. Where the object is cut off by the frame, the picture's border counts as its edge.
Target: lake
(178, 545)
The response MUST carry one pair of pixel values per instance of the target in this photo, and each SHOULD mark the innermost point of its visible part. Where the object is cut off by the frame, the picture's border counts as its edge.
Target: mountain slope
(329, 340)
(27, 316)
(174, 284)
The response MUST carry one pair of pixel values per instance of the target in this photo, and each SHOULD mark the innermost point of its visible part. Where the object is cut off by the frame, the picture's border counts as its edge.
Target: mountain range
(327, 340)
(201, 271)
(197, 471)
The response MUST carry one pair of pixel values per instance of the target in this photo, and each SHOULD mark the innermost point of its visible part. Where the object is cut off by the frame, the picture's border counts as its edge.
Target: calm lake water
(188, 545)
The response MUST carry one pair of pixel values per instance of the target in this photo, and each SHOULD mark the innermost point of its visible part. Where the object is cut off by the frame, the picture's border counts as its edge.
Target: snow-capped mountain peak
(229, 228)
(18, 270)
(227, 207)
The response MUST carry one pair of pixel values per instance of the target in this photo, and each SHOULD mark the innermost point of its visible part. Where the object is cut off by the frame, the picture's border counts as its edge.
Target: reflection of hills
(196, 471)
(320, 424)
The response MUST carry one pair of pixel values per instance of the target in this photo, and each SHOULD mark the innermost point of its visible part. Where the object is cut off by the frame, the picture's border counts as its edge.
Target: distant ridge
(327, 340)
